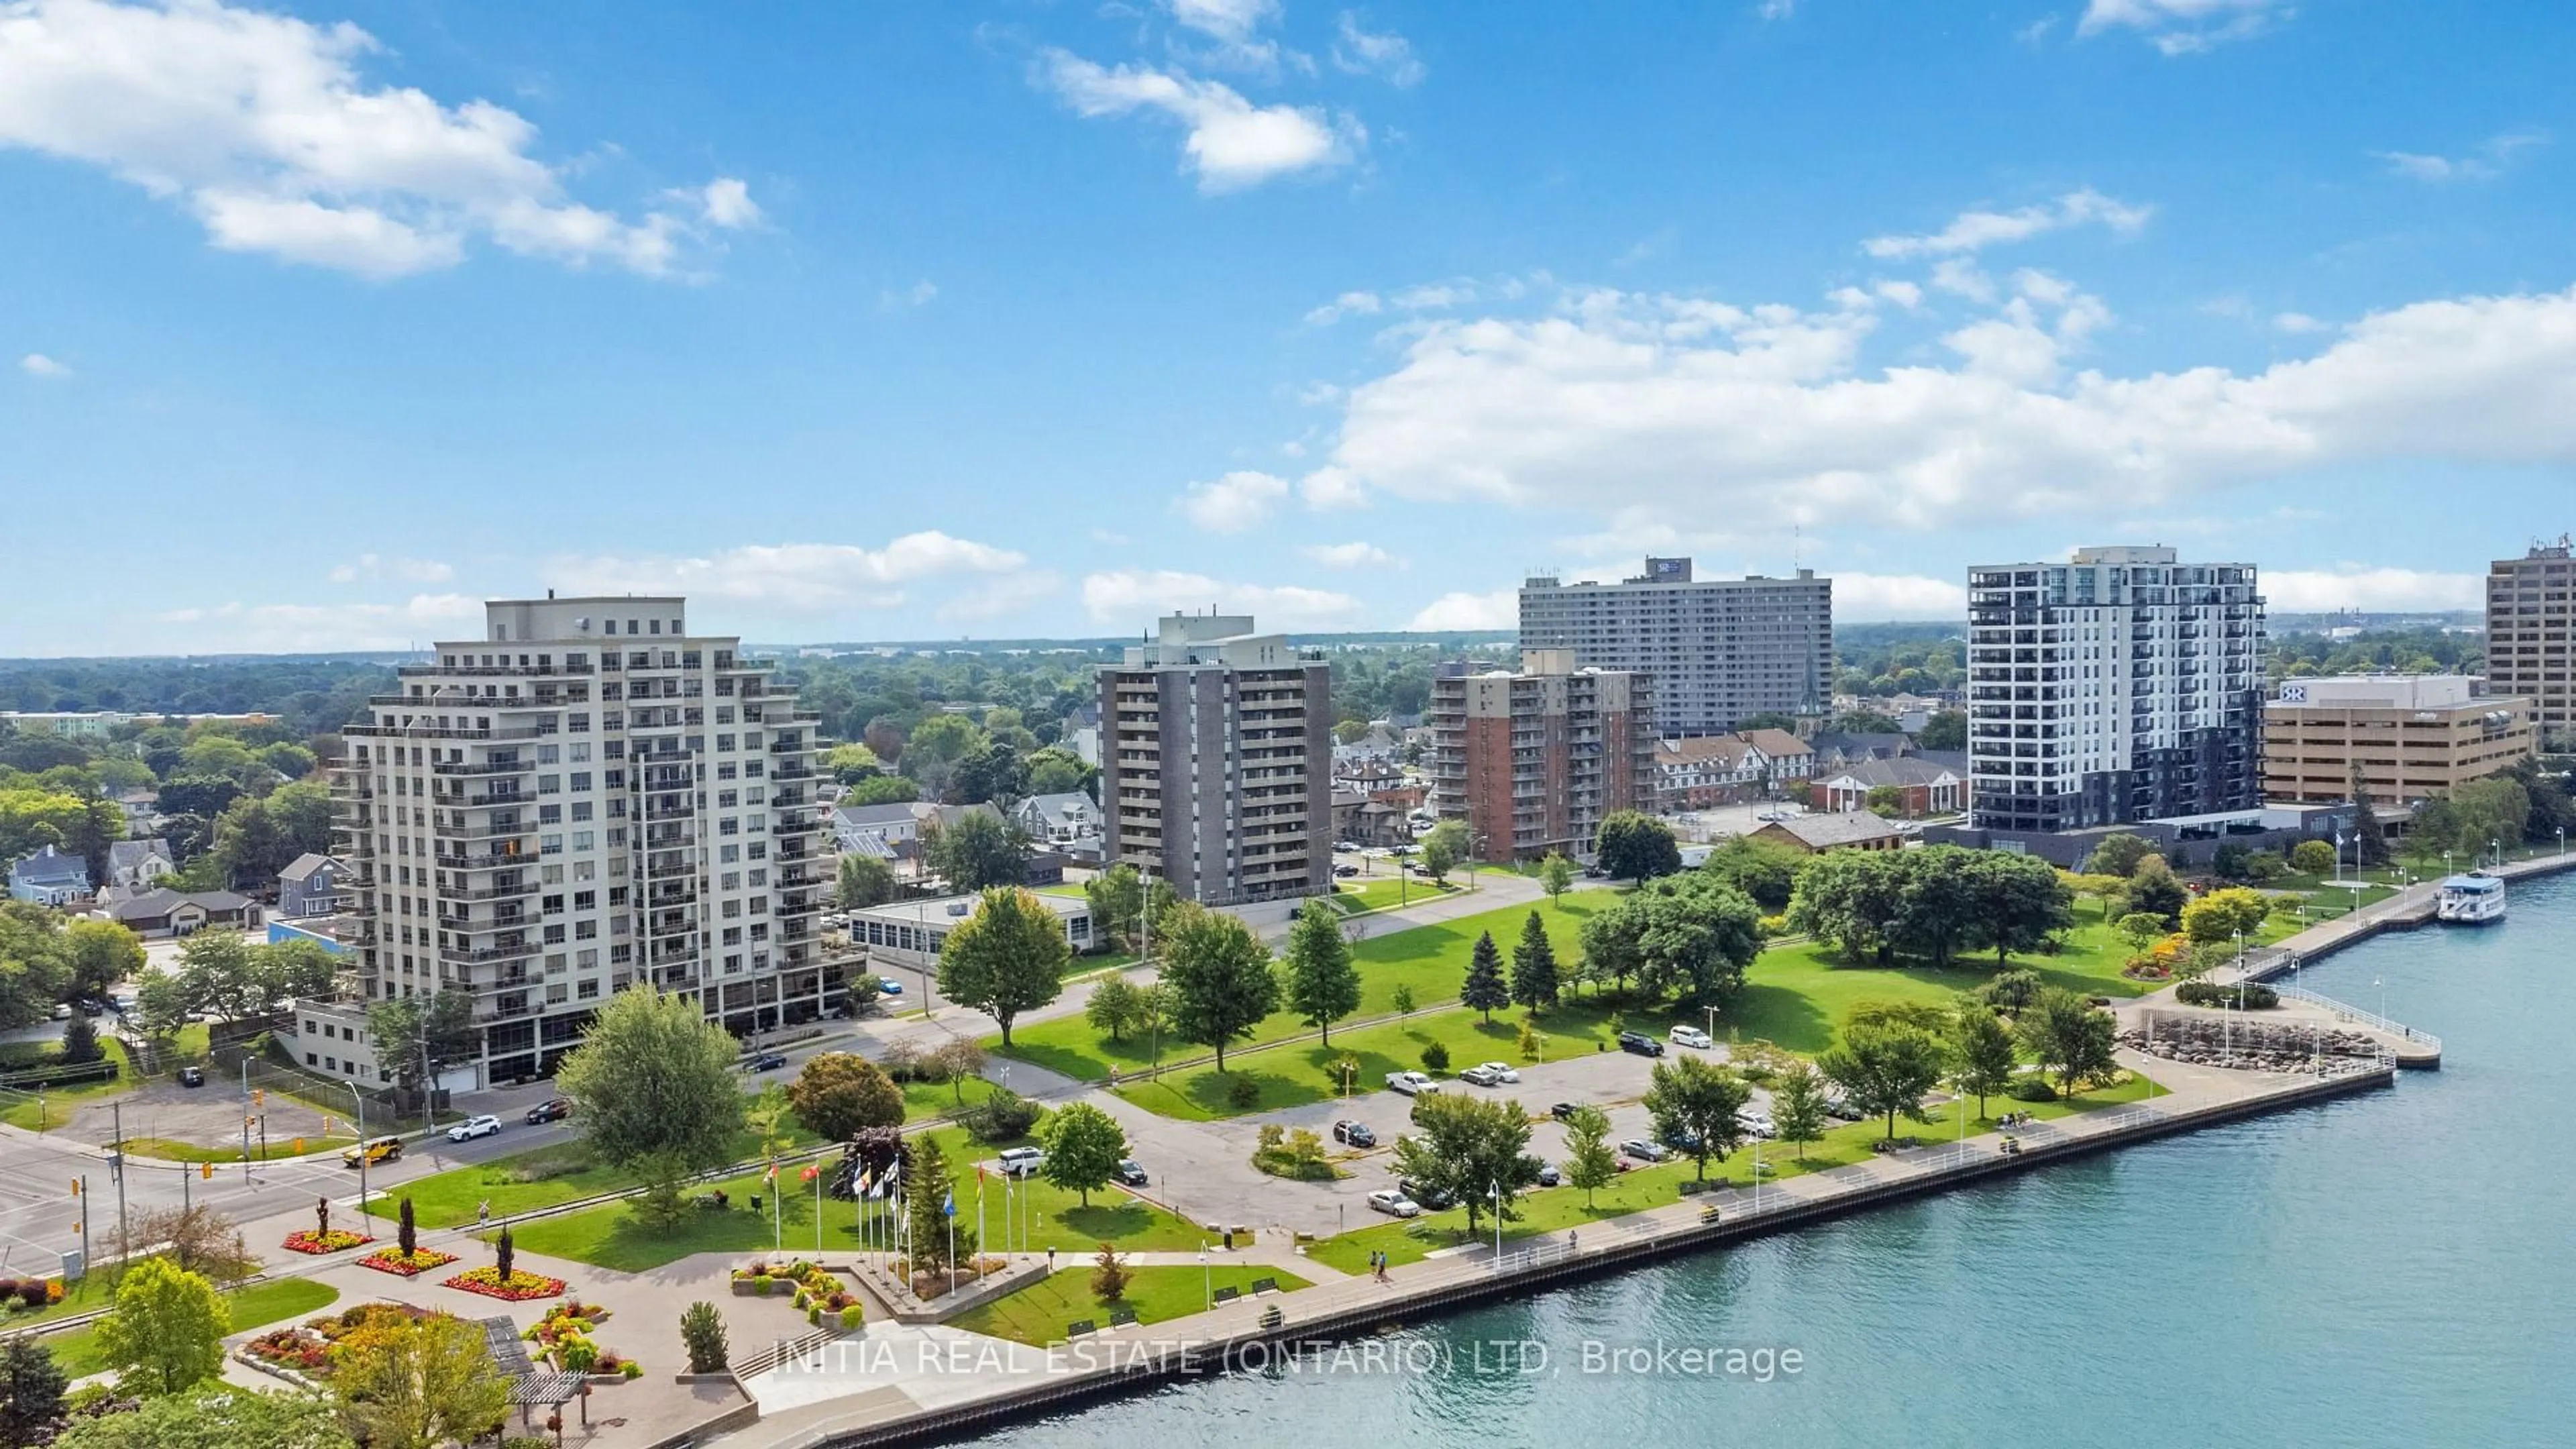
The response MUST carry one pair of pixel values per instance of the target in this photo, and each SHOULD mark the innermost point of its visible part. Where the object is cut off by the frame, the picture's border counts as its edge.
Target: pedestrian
(483, 1213)
(1569, 1240)
(1050, 1257)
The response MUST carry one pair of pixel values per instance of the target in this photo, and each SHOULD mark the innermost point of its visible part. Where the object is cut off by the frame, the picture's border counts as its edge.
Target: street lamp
(360, 1098)
(1495, 1187)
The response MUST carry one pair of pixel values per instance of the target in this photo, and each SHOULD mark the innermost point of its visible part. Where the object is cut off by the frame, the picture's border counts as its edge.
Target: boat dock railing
(2346, 1011)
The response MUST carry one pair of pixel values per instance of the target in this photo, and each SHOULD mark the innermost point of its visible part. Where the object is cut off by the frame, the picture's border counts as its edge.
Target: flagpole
(818, 1210)
(979, 1210)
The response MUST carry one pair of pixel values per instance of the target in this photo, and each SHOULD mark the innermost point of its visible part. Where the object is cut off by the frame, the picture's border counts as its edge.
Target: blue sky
(899, 321)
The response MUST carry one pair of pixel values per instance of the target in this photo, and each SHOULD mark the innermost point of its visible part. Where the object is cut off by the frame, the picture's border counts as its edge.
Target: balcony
(488, 893)
(493, 831)
(460, 956)
(482, 767)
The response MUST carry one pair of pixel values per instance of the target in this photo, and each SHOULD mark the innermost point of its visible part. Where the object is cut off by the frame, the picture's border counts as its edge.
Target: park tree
(1848, 897)
(214, 1416)
(1117, 900)
(2313, 857)
(1534, 976)
(80, 1042)
(1946, 730)
(1219, 976)
(1762, 869)
(1445, 847)
(2070, 1038)
(2142, 928)
(1468, 1147)
(1695, 935)
(993, 771)
(1981, 1052)
(35, 969)
(166, 1331)
(839, 1094)
(2106, 890)
(1555, 875)
(161, 1004)
(1117, 1006)
(1798, 1107)
(2153, 889)
(932, 751)
(1484, 989)
(1056, 770)
(1937, 908)
(1885, 1070)
(2369, 841)
(882, 790)
(1632, 845)
(1589, 1162)
(2488, 813)
(930, 1208)
(1084, 1146)
(653, 1092)
(413, 1033)
(1698, 1106)
(418, 1383)
(865, 880)
(1007, 958)
(196, 1236)
(2016, 902)
(1610, 944)
(979, 851)
(2119, 853)
(31, 1391)
(2220, 915)
(1323, 984)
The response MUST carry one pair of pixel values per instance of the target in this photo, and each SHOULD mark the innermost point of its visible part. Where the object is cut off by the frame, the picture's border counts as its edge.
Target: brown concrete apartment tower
(1532, 760)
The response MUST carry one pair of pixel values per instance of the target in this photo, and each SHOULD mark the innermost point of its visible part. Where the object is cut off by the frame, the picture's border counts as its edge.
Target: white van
(1021, 1161)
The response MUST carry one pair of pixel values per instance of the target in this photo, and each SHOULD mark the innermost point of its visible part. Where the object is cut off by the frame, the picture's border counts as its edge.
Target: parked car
(552, 1109)
(1394, 1204)
(1643, 1150)
(889, 986)
(1411, 1084)
(62, 1011)
(1354, 1134)
(1345, 872)
(1346, 847)
(1681, 1140)
(1481, 1076)
(380, 1149)
(1840, 1108)
(1021, 1161)
(1503, 1071)
(1548, 1176)
(1131, 1173)
(192, 1076)
(766, 1062)
(1758, 1124)
(473, 1127)
(1563, 1111)
(1690, 1036)
(1431, 1198)
(1594, 872)
(1640, 1043)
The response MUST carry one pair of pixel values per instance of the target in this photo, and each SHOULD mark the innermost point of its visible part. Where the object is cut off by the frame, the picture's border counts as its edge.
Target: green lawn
(1556, 1210)
(1355, 896)
(256, 1306)
(938, 1099)
(609, 1237)
(1431, 960)
(1039, 1313)
(46, 1111)
(168, 1149)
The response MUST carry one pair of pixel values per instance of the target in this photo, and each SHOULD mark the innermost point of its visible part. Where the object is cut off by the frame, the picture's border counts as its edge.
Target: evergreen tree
(31, 1391)
(1323, 984)
(1534, 974)
(2369, 842)
(1484, 988)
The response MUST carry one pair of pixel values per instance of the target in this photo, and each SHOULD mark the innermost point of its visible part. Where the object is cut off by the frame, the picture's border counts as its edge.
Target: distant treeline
(311, 695)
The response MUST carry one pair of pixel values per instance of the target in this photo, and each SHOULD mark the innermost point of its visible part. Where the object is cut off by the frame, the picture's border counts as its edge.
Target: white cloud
(1776, 9)
(1231, 28)
(261, 126)
(1349, 304)
(1872, 597)
(1331, 488)
(297, 628)
(410, 570)
(37, 364)
(2296, 323)
(1316, 394)
(1435, 296)
(1972, 231)
(2185, 27)
(2486, 164)
(1129, 597)
(804, 576)
(1234, 502)
(1387, 54)
(919, 294)
(1904, 294)
(1352, 556)
(1469, 613)
(1766, 416)
(2357, 586)
(1232, 143)
(726, 202)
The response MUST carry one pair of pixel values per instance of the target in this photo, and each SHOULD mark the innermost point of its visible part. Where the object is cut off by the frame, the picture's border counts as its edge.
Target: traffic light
(206, 1170)
(75, 1187)
(259, 1096)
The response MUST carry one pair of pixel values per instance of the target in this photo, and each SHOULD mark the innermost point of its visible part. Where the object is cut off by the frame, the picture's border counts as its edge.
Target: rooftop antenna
(1797, 544)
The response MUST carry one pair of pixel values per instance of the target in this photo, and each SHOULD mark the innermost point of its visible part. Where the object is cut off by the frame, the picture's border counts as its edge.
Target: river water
(2393, 1267)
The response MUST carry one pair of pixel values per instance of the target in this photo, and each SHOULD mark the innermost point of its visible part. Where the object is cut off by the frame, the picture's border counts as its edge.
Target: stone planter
(754, 1288)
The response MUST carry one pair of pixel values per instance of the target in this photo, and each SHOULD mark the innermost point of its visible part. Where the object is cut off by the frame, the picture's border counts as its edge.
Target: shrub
(1243, 1092)
(852, 1317)
(8, 1288)
(2032, 1089)
(1435, 1057)
(1006, 1116)
(702, 1331)
(2255, 996)
(814, 1316)
(33, 1293)
(630, 1370)
(578, 1355)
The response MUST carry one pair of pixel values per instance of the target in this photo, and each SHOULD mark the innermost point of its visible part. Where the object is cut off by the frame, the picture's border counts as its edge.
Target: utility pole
(116, 1162)
(80, 1189)
(245, 1076)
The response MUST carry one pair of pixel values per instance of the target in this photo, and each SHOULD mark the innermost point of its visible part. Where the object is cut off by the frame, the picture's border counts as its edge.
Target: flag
(807, 1175)
(948, 1205)
(861, 1185)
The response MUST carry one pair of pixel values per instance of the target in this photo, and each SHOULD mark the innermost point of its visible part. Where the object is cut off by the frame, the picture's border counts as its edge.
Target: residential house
(142, 810)
(309, 887)
(49, 878)
(1070, 823)
(162, 912)
(1370, 775)
(1922, 786)
(1815, 834)
(1836, 747)
(135, 864)
(1786, 759)
(1708, 770)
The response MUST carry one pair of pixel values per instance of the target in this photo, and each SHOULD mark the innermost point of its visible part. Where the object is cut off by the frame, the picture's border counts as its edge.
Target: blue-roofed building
(49, 878)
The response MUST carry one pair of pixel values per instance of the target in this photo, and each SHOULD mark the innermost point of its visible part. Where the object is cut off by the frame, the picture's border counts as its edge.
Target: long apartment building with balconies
(1720, 650)
(2122, 685)
(1531, 760)
(1216, 761)
(587, 798)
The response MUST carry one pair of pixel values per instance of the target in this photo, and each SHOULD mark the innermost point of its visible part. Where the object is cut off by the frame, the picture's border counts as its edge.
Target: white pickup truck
(1411, 1084)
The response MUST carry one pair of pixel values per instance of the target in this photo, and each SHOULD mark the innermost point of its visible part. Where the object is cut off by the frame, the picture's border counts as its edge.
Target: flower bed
(818, 1290)
(518, 1289)
(568, 1319)
(391, 1260)
(336, 1240)
(300, 1349)
(27, 1294)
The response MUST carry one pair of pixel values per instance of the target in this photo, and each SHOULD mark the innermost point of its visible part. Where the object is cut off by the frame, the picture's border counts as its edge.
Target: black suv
(553, 1109)
(1355, 1134)
(1432, 1199)
(1640, 1043)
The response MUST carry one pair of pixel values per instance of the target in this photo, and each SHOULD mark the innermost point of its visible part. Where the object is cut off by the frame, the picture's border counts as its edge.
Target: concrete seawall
(1232, 1338)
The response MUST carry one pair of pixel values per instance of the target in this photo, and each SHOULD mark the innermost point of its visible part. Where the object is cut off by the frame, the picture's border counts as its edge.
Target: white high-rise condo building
(1719, 650)
(1216, 761)
(585, 798)
(2122, 685)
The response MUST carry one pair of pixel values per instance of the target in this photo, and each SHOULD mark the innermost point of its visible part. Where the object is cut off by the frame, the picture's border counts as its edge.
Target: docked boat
(2471, 900)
